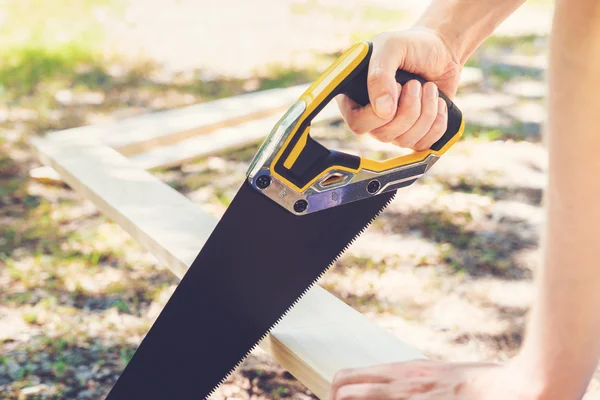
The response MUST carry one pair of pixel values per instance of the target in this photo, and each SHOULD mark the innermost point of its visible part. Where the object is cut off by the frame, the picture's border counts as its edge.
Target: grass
(279, 392)
(492, 55)
(58, 367)
(61, 46)
(49, 44)
(363, 263)
(524, 44)
(516, 131)
(125, 354)
(25, 68)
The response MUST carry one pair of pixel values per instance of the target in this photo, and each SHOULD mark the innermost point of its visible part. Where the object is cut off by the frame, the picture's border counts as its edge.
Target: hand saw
(299, 208)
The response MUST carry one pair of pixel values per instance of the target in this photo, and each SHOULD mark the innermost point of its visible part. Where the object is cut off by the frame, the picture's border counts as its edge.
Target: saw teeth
(263, 337)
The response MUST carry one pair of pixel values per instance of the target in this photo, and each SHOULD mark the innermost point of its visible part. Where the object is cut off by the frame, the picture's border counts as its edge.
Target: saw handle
(301, 161)
(356, 89)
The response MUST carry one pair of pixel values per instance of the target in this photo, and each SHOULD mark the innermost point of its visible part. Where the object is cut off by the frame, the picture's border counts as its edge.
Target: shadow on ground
(482, 250)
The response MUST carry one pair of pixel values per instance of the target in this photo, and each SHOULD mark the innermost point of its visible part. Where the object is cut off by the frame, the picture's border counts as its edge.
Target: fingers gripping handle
(356, 89)
(301, 162)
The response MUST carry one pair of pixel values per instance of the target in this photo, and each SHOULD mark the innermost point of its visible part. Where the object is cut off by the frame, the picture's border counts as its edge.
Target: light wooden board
(219, 141)
(45, 174)
(195, 147)
(146, 133)
(141, 133)
(317, 338)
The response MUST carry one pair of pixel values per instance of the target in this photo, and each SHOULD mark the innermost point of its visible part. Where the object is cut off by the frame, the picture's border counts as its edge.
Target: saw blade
(257, 263)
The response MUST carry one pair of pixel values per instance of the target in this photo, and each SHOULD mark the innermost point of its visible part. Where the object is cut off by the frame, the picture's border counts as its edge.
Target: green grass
(278, 76)
(52, 42)
(481, 133)
(223, 197)
(365, 263)
(24, 68)
(520, 42)
(279, 392)
(125, 354)
(58, 367)
(121, 306)
(516, 131)
(495, 50)
(61, 45)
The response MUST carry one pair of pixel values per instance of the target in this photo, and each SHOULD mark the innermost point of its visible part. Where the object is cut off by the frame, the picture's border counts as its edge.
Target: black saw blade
(257, 263)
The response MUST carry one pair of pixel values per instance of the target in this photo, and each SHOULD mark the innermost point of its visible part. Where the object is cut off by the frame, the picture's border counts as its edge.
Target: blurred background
(447, 268)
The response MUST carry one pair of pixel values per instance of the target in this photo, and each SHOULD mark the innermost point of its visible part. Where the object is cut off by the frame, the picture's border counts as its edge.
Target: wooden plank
(195, 147)
(318, 337)
(45, 174)
(219, 141)
(322, 335)
(144, 132)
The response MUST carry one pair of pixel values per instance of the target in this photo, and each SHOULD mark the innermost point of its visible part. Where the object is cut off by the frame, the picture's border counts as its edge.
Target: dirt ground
(448, 267)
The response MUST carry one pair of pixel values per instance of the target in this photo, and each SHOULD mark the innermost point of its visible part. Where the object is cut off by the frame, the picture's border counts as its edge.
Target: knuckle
(376, 392)
(382, 38)
(345, 393)
(409, 118)
(342, 102)
(422, 145)
(383, 135)
(403, 141)
(355, 126)
(439, 126)
(403, 125)
(427, 85)
(430, 113)
(427, 118)
(341, 375)
(376, 75)
(410, 110)
(350, 393)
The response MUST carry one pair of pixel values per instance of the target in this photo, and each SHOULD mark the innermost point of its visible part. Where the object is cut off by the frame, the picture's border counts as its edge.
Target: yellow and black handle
(302, 161)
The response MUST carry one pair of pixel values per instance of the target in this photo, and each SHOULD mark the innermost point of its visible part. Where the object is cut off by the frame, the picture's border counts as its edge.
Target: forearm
(563, 340)
(465, 24)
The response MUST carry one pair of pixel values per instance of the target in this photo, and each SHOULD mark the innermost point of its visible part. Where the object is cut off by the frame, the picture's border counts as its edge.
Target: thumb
(381, 81)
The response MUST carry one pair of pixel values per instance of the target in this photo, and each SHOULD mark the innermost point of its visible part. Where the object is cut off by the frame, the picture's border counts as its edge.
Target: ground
(448, 267)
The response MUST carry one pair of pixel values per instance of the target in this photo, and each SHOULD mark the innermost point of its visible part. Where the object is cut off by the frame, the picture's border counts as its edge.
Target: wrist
(535, 382)
(464, 24)
(451, 40)
(527, 381)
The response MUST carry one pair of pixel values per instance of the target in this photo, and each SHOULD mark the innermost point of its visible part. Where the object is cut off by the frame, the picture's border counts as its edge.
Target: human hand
(429, 380)
(410, 116)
